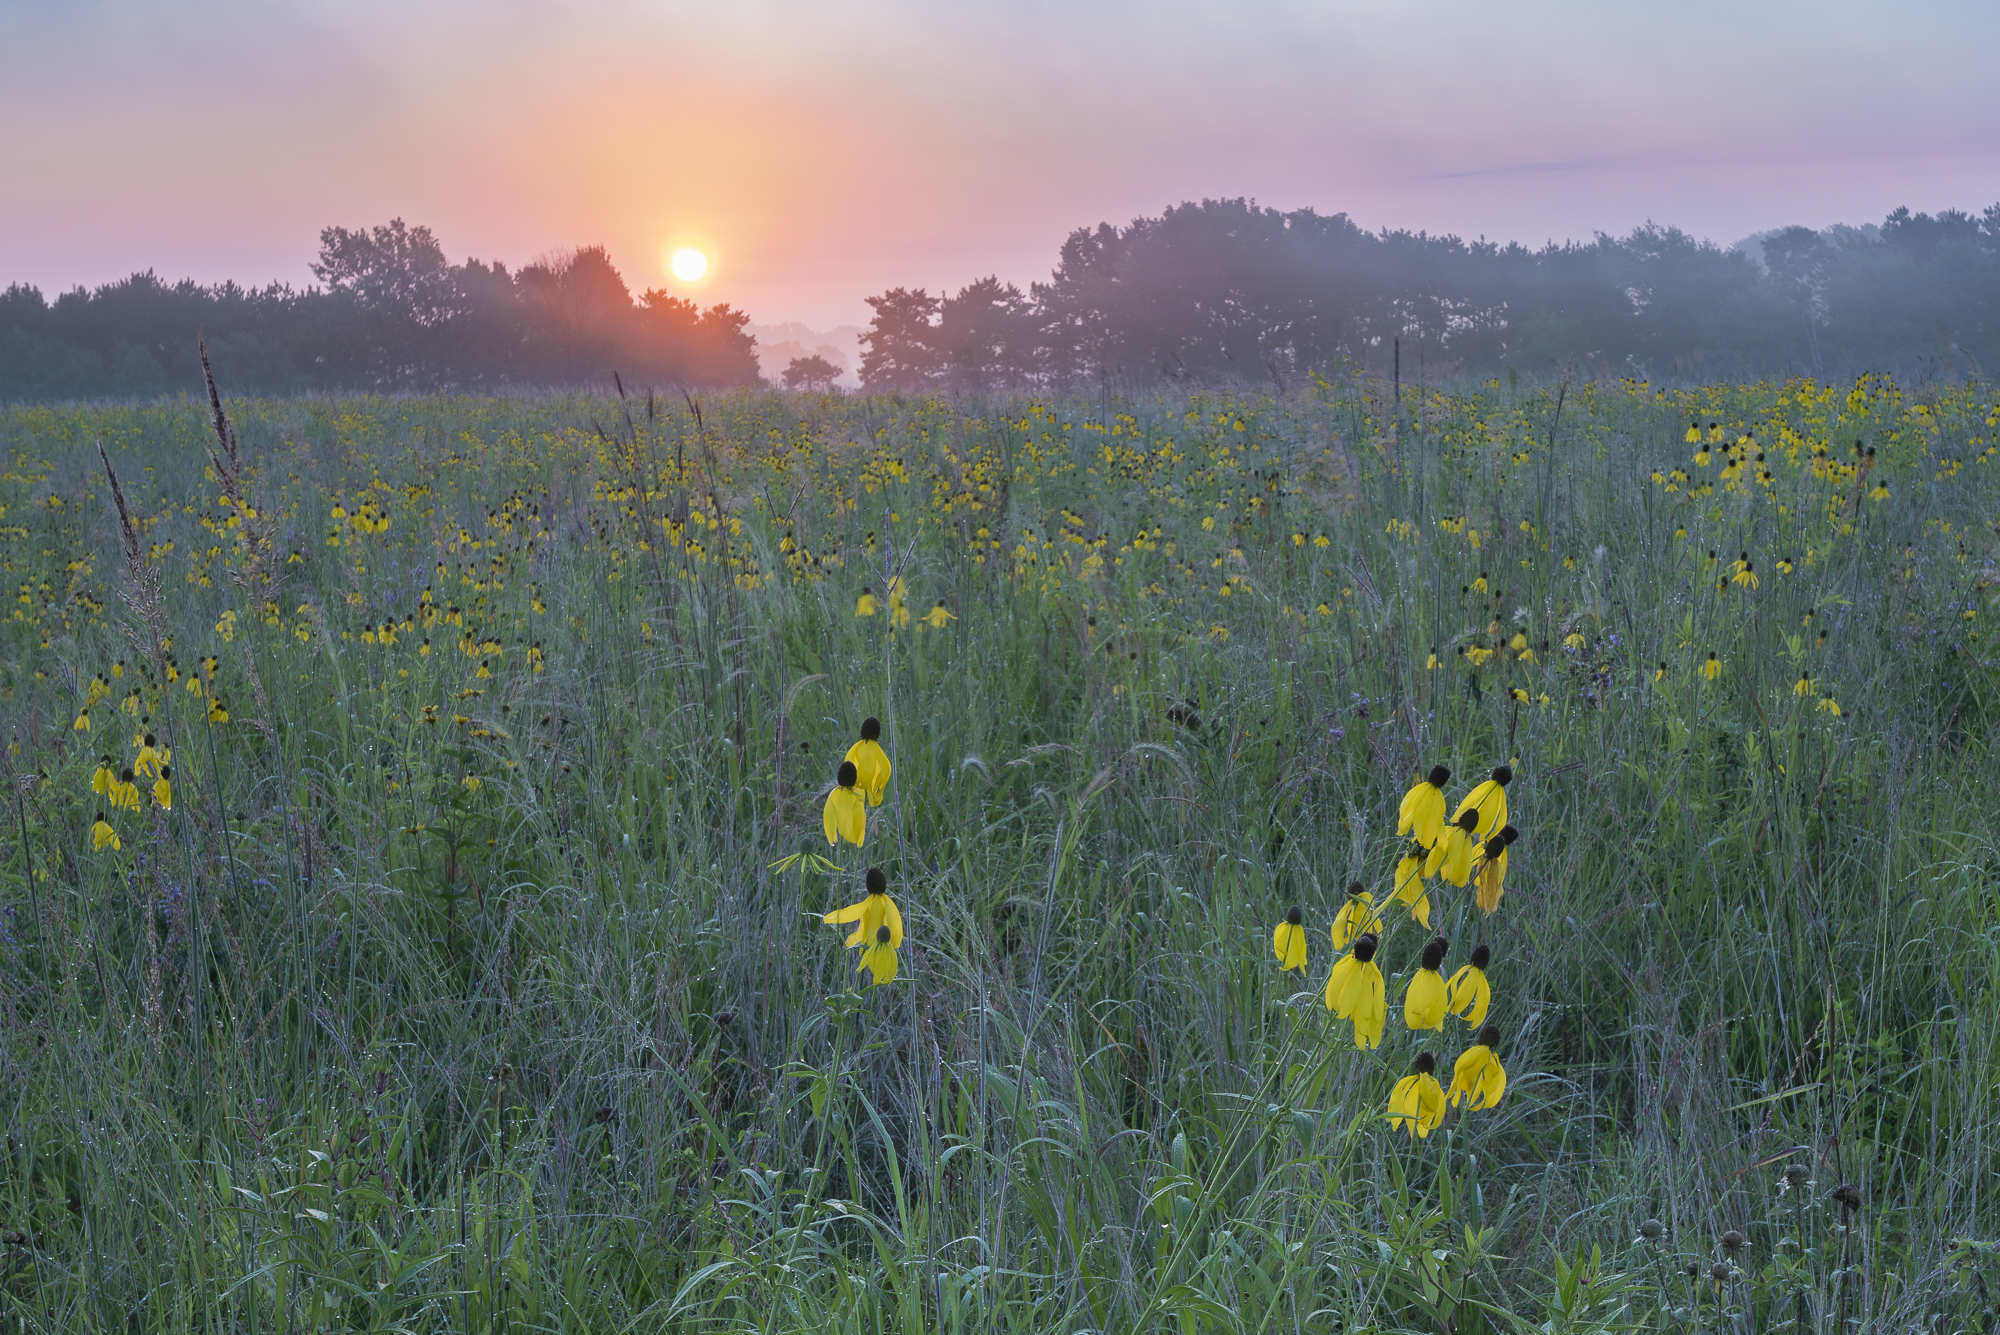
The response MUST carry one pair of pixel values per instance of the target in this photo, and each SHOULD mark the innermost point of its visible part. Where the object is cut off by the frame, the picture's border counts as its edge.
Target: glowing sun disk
(688, 264)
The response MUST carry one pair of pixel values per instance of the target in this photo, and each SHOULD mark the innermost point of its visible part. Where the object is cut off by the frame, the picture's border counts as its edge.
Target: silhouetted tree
(813, 373)
(985, 336)
(899, 350)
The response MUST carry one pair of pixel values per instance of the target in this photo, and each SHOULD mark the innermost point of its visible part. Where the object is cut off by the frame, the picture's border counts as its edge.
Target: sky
(821, 152)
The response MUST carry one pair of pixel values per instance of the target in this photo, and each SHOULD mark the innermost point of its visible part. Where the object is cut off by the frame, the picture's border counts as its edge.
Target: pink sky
(822, 152)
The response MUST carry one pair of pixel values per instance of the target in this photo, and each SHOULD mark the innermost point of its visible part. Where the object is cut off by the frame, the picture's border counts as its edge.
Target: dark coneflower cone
(882, 934)
(878, 881)
(847, 774)
(1355, 888)
(871, 728)
(1503, 775)
(1424, 1064)
(1490, 1036)
(1508, 834)
(1468, 820)
(1295, 915)
(1434, 953)
(1439, 776)
(1364, 947)
(1482, 955)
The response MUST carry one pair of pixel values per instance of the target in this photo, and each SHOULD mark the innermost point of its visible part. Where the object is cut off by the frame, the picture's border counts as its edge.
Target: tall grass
(449, 1001)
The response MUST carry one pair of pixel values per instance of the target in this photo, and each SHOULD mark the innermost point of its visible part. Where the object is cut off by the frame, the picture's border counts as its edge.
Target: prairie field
(411, 908)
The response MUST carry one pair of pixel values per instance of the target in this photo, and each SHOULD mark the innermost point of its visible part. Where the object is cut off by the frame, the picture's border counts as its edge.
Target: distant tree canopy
(812, 372)
(392, 313)
(1224, 289)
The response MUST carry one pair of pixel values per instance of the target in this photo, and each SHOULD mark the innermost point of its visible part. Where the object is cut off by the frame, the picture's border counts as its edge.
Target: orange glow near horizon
(817, 155)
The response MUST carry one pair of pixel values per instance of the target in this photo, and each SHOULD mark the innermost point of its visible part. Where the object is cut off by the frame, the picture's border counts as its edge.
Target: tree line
(1220, 290)
(390, 312)
(1225, 290)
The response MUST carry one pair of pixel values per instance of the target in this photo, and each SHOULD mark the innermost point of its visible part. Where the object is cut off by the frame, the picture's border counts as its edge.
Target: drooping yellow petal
(1489, 799)
(1356, 916)
(1288, 942)
(1410, 886)
(1366, 1002)
(1421, 813)
(871, 768)
(1336, 984)
(845, 816)
(1479, 1077)
(879, 960)
(1492, 879)
(1452, 857)
(1416, 1104)
(1403, 1104)
(873, 912)
(1424, 1000)
(1468, 995)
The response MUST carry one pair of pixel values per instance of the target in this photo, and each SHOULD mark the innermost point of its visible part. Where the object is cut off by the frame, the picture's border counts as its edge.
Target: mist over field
(1221, 292)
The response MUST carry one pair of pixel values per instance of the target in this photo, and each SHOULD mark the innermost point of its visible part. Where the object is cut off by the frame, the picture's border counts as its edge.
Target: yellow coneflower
(105, 779)
(871, 762)
(1409, 884)
(880, 958)
(1356, 917)
(845, 815)
(1711, 668)
(1423, 999)
(1804, 686)
(147, 763)
(163, 788)
(1489, 869)
(1746, 574)
(125, 793)
(1288, 942)
(1416, 1104)
(874, 912)
(218, 712)
(865, 605)
(1828, 705)
(82, 723)
(1519, 644)
(1479, 585)
(1355, 991)
(1421, 813)
(1660, 672)
(1432, 664)
(1478, 1075)
(1489, 799)
(102, 836)
(938, 616)
(1468, 994)
(1452, 856)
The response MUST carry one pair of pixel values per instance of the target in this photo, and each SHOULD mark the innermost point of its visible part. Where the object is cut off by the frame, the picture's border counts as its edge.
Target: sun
(688, 264)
